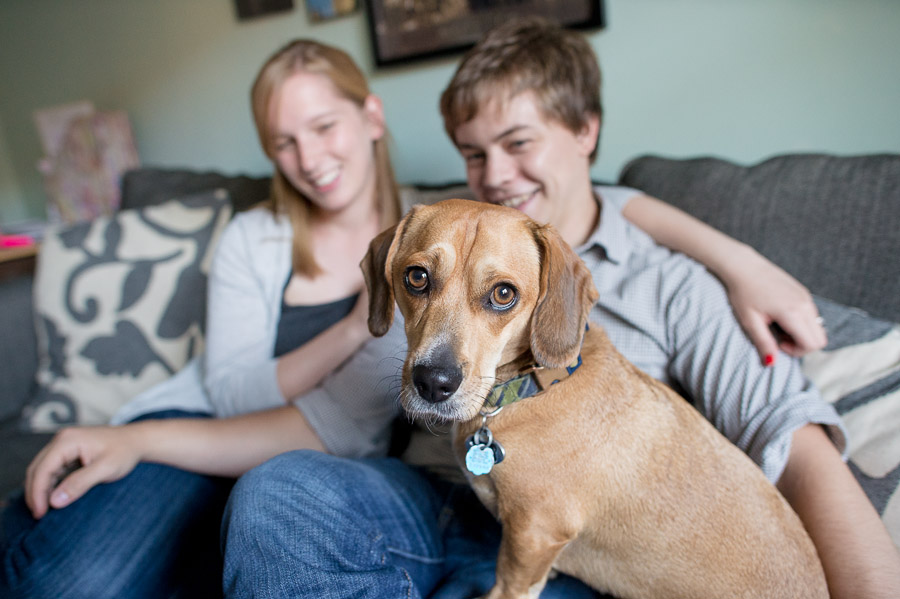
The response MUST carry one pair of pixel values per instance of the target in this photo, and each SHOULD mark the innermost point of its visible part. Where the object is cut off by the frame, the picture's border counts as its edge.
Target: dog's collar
(483, 452)
(533, 381)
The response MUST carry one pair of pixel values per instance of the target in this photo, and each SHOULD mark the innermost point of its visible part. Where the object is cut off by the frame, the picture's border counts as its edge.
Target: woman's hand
(97, 454)
(360, 312)
(774, 309)
(303, 368)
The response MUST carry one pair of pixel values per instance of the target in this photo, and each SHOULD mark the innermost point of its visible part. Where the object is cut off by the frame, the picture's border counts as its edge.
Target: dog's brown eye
(503, 297)
(417, 279)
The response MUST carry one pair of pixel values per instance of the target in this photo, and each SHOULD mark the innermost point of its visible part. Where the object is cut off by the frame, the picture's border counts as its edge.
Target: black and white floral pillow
(120, 305)
(859, 372)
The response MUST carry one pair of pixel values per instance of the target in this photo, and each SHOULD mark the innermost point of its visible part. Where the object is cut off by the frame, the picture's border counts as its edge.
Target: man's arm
(760, 292)
(767, 413)
(859, 557)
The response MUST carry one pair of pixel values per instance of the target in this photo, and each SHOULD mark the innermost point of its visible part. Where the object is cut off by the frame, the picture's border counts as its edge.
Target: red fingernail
(770, 359)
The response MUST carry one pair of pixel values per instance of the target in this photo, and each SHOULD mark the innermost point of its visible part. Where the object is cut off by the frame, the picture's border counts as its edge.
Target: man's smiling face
(516, 156)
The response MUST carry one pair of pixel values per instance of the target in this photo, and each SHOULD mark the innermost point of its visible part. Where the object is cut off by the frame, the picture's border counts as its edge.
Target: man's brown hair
(529, 54)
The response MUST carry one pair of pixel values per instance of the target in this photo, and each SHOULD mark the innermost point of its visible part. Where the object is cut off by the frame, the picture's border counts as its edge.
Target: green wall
(738, 79)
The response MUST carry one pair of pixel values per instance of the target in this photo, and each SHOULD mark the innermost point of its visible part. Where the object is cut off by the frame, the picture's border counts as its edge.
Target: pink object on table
(14, 241)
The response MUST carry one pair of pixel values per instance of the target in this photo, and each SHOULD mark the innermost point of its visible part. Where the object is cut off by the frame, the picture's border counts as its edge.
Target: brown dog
(608, 475)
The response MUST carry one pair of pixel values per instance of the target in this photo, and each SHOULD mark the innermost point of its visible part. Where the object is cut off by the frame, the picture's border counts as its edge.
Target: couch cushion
(18, 448)
(830, 221)
(120, 305)
(18, 350)
(150, 186)
(859, 372)
(429, 194)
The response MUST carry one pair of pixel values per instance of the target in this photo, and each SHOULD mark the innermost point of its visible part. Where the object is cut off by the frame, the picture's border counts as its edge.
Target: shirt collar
(611, 233)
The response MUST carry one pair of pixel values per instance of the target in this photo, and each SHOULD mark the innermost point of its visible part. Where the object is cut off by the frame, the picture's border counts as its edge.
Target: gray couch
(831, 221)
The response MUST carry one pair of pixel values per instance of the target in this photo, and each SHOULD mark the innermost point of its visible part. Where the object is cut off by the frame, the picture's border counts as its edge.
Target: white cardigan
(351, 410)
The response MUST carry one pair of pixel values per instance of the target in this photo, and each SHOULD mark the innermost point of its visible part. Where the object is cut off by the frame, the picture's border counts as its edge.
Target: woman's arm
(219, 447)
(858, 555)
(246, 285)
(302, 369)
(246, 277)
(761, 293)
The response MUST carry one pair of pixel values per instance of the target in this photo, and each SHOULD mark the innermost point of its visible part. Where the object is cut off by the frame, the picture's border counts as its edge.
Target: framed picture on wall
(407, 30)
(325, 10)
(250, 9)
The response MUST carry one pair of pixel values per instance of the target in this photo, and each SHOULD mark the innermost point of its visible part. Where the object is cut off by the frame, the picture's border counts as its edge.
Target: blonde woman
(286, 309)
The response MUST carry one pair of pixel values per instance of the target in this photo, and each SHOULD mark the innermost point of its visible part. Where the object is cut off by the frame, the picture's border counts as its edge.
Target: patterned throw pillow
(859, 372)
(120, 305)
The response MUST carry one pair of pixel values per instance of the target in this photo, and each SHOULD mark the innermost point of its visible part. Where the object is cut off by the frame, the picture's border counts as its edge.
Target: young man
(307, 524)
(524, 110)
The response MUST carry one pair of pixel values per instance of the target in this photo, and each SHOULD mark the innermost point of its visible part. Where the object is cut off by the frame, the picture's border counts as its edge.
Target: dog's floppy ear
(376, 268)
(566, 296)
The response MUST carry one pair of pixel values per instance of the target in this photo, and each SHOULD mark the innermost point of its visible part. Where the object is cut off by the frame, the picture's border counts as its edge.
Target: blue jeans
(153, 533)
(306, 524)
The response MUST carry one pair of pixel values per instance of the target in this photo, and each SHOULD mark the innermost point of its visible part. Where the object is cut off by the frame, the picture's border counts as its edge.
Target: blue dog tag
(479, 459)
(483, 452)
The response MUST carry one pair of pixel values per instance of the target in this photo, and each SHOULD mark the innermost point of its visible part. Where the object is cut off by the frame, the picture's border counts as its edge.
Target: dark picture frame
(410, 30)
(250, 9)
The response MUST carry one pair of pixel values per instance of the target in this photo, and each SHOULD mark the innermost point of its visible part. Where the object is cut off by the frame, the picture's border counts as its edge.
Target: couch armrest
(18, 345)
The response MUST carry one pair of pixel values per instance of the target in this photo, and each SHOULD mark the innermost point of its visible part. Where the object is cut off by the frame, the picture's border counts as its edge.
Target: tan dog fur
(609, 475)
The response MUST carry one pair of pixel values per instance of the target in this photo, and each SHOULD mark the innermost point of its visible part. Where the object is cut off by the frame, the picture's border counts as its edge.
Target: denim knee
(147, 535)
(296, 477)
(323, 526)
(73, 575)
(305, 491)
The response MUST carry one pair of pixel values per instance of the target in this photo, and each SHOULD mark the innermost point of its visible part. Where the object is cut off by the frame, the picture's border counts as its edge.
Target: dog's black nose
(436, 383)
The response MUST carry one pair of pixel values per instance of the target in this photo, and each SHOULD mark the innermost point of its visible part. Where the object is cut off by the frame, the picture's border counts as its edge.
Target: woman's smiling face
(322, 142)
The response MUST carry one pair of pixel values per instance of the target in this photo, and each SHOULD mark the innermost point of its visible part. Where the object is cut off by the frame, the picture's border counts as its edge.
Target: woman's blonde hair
(314, 57)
